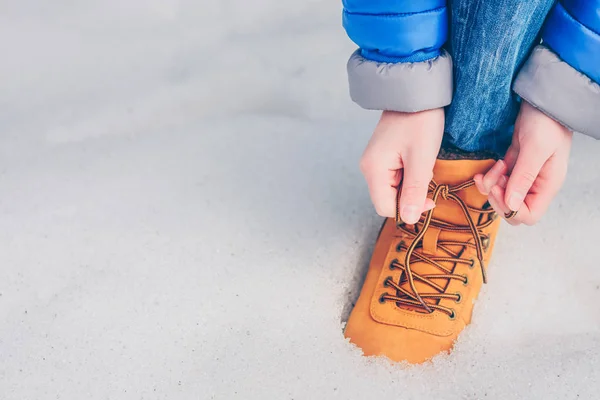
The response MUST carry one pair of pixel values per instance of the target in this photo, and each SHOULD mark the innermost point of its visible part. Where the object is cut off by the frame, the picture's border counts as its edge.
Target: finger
(429, 204)
(417, 175)
(497, 195)
(496, 200)
(546, 188)
(478, 179)
(382, 184)
(525, 215)
(510, 158)
(534, 205)
(383, 194)
(491, 177)
(527, 167)
(502, 182)
(397, 178)
(495, 203)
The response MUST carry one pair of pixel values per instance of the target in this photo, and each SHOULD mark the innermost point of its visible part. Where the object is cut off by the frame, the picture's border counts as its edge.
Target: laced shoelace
(412, 297)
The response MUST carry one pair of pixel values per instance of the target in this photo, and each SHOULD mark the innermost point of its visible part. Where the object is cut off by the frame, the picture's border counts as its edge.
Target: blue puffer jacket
(397, 30)
(573, 32)
(401, 64)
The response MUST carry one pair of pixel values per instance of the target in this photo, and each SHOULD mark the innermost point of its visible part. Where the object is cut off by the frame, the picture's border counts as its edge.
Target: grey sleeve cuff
(560, 91)
(406, 87)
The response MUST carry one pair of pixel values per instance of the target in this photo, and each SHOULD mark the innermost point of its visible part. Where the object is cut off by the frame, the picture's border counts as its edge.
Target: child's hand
(537, 161)
(403, 148)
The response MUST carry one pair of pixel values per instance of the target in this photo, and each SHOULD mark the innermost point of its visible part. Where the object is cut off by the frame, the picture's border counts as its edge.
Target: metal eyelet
(452, 316)
(382, 298)
(466, 282)
(399, 246)
(485, 242)
(386, 282)
(394, 261)
(472, 265)
(459, 298)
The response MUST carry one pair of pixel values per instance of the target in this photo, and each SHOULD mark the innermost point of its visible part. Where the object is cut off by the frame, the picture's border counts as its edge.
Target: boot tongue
(455, 172)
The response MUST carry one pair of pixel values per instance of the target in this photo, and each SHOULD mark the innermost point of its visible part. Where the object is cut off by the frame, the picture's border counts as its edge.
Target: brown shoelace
(412, 297)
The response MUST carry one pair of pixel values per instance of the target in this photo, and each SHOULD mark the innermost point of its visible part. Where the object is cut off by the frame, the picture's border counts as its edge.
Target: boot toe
(396, 342)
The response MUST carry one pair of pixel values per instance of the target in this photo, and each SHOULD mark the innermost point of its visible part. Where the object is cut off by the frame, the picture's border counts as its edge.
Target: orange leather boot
(423, 279)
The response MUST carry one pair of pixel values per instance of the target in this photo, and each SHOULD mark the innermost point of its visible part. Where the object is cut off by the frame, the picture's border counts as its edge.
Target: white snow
(182, 217)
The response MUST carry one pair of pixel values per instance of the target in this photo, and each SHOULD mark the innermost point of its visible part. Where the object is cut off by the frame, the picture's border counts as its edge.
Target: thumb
(528, 164)
(417, 175)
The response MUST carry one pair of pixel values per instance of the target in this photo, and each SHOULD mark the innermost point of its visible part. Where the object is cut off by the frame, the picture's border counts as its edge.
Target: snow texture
(182, 217)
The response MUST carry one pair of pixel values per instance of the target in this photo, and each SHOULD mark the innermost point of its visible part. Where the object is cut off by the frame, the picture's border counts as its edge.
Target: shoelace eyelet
(485, 242)
(452, 316)
(466, 282)
(386, 283)
(392, 264)
(472, 265)
(400, 245)
(459, 298)
(382, 298)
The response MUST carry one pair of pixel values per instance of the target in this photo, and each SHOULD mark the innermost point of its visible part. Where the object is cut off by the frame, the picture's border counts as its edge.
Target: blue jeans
(489, 41)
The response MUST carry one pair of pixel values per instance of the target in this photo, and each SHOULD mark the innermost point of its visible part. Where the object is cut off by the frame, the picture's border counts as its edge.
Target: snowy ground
(182, 217)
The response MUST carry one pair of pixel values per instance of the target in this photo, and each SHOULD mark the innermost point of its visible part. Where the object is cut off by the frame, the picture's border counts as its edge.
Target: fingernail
(515, 200)
(429, 207)
(410, 214)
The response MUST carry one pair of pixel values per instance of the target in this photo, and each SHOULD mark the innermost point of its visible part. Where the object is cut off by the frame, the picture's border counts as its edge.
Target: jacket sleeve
(400, 64)
(562, 76)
